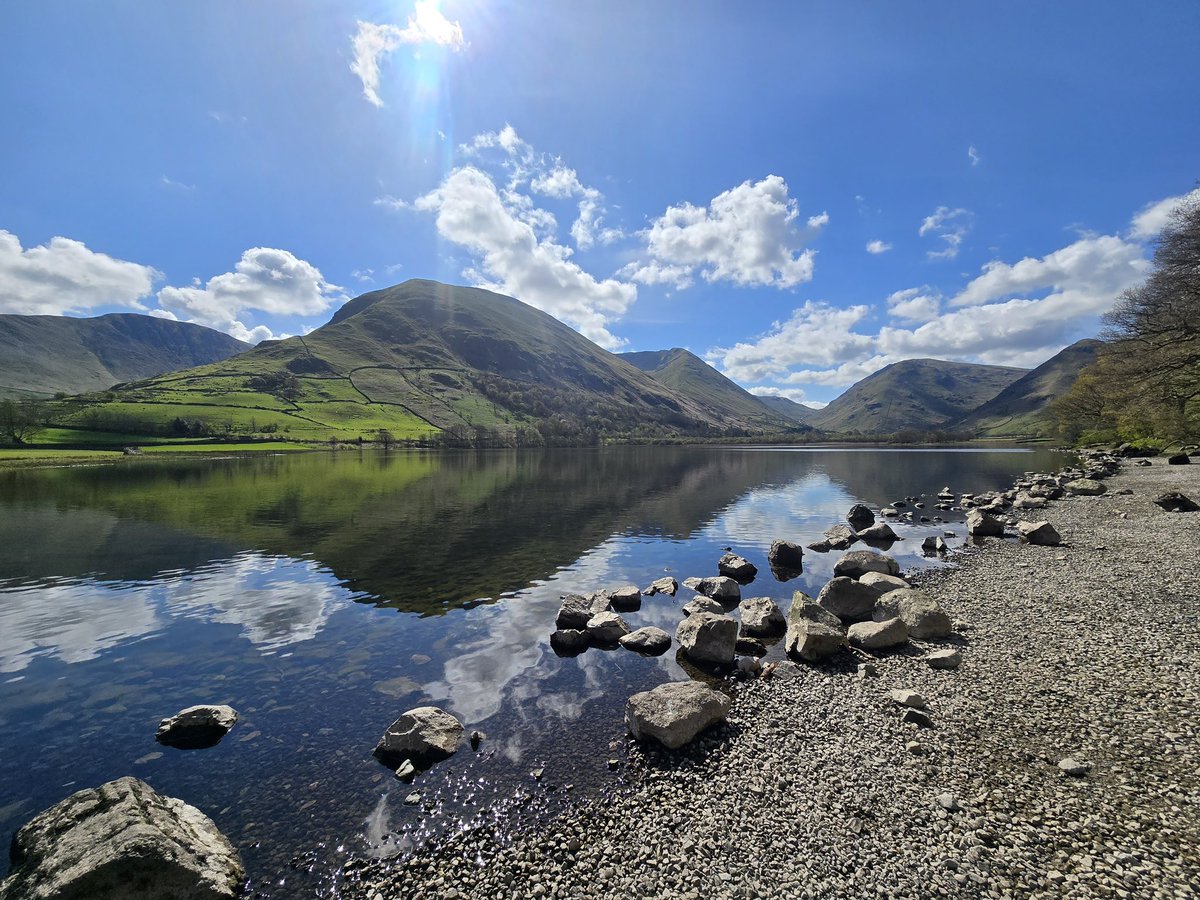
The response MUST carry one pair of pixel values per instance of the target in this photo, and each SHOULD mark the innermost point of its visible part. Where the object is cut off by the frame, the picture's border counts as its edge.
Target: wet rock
(736, 567)
(673, 714)
(848, 599)
(707, 638)
(649, 640)
(570, 641)
(703, 604)
(944, 659)
(860, 516)
(1041, 533)
(122, 841)
(840, 537)
(857, 563)
(424, 735)
(878, 635)
(196, 727)
(722, 588)
(761, 617)
(626, 598)
(1173, 501)
(881, 533)
(662, 586)
(920, 612)
(786, 556)
(982, 524)
(1085, 487)
(607, 628)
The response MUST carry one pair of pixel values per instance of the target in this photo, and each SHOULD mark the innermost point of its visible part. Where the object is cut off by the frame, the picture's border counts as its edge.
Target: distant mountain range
(44, 355)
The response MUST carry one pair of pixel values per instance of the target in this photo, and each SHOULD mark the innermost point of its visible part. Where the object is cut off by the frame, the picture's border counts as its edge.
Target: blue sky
(706, 175)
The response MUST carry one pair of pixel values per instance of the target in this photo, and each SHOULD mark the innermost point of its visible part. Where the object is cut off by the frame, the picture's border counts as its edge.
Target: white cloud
(176, 185)
(1154, 216)
(914, 305)
(762, 390)
(973, 155)
(747, 236)
(426, 25)
(265, 279)
(64, 276)
(951, 225)
(876, 247)
(513, 259)
(363, 275)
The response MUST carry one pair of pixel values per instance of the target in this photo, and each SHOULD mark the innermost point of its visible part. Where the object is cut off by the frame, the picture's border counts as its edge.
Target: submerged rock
(673, 714)
(424, 735)
(196, 727)
(122, 841)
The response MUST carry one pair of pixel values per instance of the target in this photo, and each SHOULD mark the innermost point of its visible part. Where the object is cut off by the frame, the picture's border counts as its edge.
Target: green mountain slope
(42, 355)
(917, 394)
(418, 359)
(1022, 408)
(690, 376)
(789, 409)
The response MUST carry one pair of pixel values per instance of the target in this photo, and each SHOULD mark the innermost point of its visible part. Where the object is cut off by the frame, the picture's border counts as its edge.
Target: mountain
(416, 359)
(43, 355)
(916, 394)
(790, 409)
(690, 376)
(1022, 408)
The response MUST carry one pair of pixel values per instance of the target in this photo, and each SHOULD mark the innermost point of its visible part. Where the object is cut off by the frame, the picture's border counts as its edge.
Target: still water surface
(323, 594)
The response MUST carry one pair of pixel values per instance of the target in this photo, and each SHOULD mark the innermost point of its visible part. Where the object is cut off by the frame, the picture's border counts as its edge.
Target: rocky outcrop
(1040, 533)
(122, 841)
(981, 524)
(649, 640)
(737, 567)
(848, 599)
(196, 727)
(919, 611)
(673, 714)
(761, 617)
(708, 639)
(857, 563)
(423, 735)
(878, 635)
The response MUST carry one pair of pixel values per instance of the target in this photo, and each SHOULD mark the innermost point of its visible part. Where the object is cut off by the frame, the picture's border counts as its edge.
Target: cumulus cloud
(1153, 217)
(951, 225)
(796, 394)
(427, 25)
(264, 279)
(876, 247)
(747, 235)
(514, 259)
(914, 305)
(65, 276)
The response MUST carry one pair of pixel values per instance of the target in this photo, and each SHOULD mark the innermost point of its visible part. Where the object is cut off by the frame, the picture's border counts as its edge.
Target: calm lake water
(323, 594)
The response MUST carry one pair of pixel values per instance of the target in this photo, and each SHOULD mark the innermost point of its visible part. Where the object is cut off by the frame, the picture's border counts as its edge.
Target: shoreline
(813, 788)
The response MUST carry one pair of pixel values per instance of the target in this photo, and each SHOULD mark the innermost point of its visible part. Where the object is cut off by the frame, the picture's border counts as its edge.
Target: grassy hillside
(44, 355)
(690, 376)
(790, 409)
(917, 394)
(417, 360)
(1022, 408)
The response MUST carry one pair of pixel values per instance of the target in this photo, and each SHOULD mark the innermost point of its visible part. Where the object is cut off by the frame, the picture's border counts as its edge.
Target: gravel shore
(816, 788)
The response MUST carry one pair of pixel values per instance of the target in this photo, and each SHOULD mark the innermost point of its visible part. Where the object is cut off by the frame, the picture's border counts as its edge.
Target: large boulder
(649, 640)
(1085, 487)
(122, 841)
(813, 633)
(722, 588)
(920, 613)
(607, 628)
(423, 735)
(1041, 533)
(981, 524)
(878, 635)
(673, 714)
(857, 563)
(1173, 501)
(761, 617)
(848, 599)
(737, 567)
(786, 556)
(707, 638)
(196, 727)
(860, 517)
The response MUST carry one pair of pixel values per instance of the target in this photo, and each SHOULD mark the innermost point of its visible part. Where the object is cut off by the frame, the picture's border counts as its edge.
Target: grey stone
(881, 533)
(666, 585)
(860, 516)
(196, 727)
(122, 841)
(1040, 533)
(607, 628)
(944, 659)
(424, 735)
(708, 638)
(919, 612)
(813, 641)
(1173, 501)
(673, 714)
(848, 599)
(702, 604)
(649, 640)
(858, 562)
(721, 588)
(761, 617)
(1029, 501)
(906, 697)
(626, 598)
(878, 635)
(883, 583)
(570, 640)
(1086, 487)
(736, 567)
(786, 556)
(577, 609)
(982, 524)
(840, 537)
(1074, 767)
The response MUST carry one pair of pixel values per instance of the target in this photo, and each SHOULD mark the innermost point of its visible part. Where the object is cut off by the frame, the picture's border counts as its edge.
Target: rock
(413, 798)
(879, 534)
(424, 735)
(649, 640)
(821, 546)
(576, 610)
(785, 555)
(1040, 533)
(1074, 767)
(702, 604)
(878, 635)
(662, 586)
(1086, 487)
(860, 516)
(1143, 462)
(1173, 501)
(626, 598)
(905, 697)
(119, 841)
(406, 771)
(570, 641)
(917, 717)
(707, 638)
(196, 727)
(607, 628)
(736, 567)
(748, 646)
(981, 524)
(947, 802)
(857, 563)
(1179, 459)
(749, 665)
(477, 738)
(761, 617)
(673, 714)
(849, 600)
(840, 537)
(722, 588)
(934, 544)
(944, 659)
(919, 611)
(1028, 501)
(889, 512)
(883, 583)
(813, 641)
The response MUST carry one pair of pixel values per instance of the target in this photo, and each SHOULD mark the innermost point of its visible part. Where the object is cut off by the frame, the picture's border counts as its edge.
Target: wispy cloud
(427, 25)
(973, 155)
(176, 185)
(951, 225)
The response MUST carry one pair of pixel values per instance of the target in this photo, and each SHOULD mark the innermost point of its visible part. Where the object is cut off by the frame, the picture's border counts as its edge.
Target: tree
(386, 439)
(21, 422)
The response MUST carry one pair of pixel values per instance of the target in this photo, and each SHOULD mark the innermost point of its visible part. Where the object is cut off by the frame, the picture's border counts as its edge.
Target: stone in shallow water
(737, 567)
(761, 617)
(196, 727)
(649, 640)
(786, 556)
(858, 562)
(607, 628)
(707, 638)
(425, 734)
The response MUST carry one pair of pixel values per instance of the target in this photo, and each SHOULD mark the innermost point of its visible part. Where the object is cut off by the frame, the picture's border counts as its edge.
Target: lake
(323, 594)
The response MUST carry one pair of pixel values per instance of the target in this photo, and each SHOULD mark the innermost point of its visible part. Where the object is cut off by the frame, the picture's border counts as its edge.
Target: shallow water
(323, 594)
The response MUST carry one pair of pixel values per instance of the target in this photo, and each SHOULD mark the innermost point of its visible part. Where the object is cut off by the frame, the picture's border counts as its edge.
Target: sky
(800, 193)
